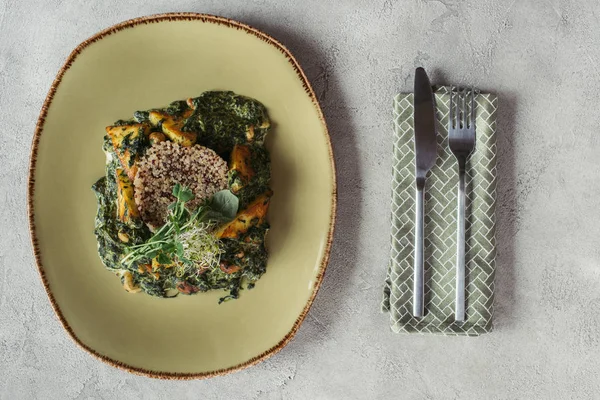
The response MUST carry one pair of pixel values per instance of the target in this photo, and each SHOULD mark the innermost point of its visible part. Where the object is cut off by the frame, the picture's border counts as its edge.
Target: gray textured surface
(540, 56)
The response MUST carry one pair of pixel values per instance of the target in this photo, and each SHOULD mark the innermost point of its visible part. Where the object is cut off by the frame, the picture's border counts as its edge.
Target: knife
(425, 154)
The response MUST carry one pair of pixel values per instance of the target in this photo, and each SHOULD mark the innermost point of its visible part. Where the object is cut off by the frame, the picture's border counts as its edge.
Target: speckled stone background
(540, 56)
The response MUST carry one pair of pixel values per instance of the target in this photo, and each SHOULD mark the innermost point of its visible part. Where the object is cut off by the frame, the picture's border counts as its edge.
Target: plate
(144, 63)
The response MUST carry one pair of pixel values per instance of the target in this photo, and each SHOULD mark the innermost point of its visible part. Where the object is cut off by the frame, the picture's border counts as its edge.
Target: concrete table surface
(540, 56)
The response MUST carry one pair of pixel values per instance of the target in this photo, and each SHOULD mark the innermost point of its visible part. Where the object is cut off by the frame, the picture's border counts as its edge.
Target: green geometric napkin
(440, 225)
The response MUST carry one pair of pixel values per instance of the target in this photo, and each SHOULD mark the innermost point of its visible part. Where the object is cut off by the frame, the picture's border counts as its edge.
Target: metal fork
(461, 136)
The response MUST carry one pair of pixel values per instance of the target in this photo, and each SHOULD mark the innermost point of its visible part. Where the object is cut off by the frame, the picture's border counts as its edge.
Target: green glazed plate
(145, 63)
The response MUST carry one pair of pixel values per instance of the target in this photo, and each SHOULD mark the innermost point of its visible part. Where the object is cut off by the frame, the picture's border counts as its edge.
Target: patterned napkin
(440, 225)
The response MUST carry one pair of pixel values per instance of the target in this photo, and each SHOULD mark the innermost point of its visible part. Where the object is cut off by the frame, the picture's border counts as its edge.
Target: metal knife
(425, 153)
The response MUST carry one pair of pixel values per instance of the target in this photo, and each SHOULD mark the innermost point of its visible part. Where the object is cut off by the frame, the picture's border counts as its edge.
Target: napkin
(440, 224)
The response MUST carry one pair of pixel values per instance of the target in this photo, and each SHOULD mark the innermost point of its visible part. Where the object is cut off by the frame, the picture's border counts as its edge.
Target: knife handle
(419, 281)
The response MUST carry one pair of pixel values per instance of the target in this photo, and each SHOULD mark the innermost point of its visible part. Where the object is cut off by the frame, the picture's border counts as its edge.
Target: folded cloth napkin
(440, 224)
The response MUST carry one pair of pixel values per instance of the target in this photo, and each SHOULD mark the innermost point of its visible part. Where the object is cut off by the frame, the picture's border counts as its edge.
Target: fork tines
(461, 121)
(463, 110)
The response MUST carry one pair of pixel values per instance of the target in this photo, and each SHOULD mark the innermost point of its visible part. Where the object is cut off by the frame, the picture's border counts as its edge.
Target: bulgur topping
(166, 164)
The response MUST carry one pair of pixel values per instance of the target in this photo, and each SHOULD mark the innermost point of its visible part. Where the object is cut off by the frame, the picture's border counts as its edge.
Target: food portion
(182, 206)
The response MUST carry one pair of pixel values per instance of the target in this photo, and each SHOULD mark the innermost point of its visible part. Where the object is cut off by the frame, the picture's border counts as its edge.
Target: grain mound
(167, 163)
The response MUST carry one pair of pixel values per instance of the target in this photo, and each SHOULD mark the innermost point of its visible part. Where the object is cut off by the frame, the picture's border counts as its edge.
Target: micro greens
(186, 238)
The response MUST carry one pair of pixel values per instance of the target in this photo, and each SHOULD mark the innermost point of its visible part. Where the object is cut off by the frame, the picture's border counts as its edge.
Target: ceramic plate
(145, 63)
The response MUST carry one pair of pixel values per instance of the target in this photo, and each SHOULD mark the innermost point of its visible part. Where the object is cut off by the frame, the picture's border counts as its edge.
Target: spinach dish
(182, 206)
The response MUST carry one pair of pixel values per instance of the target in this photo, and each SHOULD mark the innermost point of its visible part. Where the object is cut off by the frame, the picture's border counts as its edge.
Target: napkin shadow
(318, 65)
(506, 212)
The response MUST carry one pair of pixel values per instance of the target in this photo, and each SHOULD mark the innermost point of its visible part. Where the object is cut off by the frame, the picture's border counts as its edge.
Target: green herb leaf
(169, 247)
(164, 259)
(152, 253)
(179, 249)
(186, 195)
(224, 203)
(214, 216)
(182, 193)
(176, 190)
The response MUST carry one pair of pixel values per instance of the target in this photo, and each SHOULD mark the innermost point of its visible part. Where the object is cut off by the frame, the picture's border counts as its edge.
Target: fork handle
(418, 283)
(459, 306)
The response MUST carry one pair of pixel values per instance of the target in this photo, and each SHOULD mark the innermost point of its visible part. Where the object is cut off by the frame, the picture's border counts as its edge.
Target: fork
(461, 137)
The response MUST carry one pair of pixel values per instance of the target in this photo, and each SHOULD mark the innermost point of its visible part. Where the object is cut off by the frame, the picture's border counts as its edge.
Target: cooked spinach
(221, 120)
(261, 165)
(176, 108)
(107, 226)
(224, 119)
(141, 116)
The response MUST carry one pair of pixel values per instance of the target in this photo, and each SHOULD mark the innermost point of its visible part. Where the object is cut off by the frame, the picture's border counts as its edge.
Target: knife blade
(425, 155)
